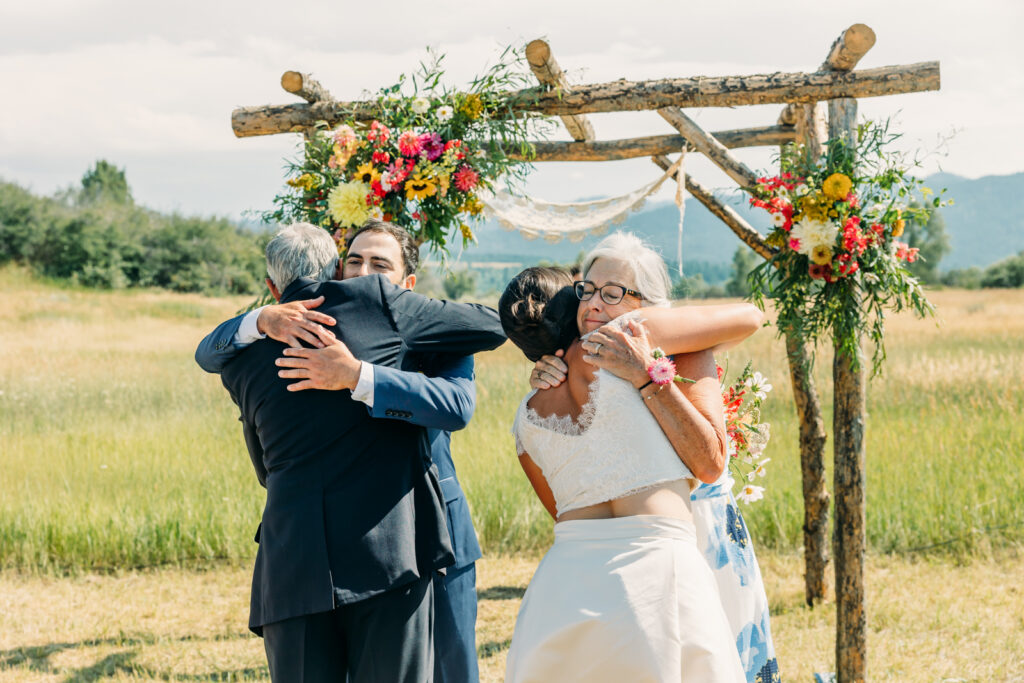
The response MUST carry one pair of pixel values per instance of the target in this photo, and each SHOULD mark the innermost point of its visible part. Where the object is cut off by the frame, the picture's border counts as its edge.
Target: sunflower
(837, 186)
(366, 173)
(420, 188)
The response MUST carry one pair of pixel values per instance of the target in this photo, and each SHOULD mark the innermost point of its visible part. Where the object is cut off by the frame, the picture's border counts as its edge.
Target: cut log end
(538, 52)
(291, 81)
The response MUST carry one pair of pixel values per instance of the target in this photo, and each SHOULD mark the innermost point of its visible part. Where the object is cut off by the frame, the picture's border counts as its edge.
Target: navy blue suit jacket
(440, 395)
(353, 505)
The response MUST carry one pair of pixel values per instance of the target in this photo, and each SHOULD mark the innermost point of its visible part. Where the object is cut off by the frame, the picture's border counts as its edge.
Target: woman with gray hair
(615, 453)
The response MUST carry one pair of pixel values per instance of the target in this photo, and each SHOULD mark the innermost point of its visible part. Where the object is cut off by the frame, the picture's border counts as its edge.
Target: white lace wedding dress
(623, 599)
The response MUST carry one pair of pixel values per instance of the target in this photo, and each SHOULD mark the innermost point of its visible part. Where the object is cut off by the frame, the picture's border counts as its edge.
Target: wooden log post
(700, 91)
(848, 376)
(749, 236)
(549, 73)
(809, 121)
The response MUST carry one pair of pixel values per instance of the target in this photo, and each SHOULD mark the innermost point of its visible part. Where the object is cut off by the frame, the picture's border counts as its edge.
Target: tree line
(96, 236)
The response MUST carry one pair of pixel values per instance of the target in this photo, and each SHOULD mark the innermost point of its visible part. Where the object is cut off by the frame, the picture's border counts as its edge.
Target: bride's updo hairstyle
(650, 277)
(538, 311)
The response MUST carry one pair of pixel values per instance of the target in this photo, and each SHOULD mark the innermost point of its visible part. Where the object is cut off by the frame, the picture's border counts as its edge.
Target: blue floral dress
(722, 537)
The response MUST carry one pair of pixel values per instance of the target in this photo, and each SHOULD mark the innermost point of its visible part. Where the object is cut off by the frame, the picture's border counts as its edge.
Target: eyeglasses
(610, 294)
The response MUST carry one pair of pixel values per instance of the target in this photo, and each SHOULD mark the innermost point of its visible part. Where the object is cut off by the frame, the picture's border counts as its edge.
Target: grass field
(119, 454)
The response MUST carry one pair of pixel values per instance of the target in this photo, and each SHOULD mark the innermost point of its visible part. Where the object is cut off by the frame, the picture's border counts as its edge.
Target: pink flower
(466, 179)
(409, 144)
(432, 145)
(662, 370)
(794, 244)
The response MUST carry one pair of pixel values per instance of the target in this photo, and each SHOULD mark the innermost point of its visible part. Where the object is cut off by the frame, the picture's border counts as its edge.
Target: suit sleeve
(445, 327)
(445, 400)
(219, 347)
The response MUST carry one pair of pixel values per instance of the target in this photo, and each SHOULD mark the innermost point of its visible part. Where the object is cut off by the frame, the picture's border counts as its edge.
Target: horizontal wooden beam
(751, 237)
(709, 146)
(711, 91)
(549, 73)
(305, 86)
(653, 145)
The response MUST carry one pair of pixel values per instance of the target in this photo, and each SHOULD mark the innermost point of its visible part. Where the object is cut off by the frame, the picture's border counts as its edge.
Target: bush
(1006, 273)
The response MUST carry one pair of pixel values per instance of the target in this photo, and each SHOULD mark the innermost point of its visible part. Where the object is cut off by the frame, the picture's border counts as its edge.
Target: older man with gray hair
(354, 526)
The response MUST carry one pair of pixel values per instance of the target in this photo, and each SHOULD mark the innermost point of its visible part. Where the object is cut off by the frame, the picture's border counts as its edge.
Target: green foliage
(459, 283)
(743, 262)
(99, 241)
(928, 233)
(105, 182)
(1006, 273)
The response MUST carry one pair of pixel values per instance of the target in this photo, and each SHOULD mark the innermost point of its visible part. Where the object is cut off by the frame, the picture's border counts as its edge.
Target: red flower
(379, 133)
(818, 272)
(382, 158)
(720, 370)
(794, 244)
(466, 179)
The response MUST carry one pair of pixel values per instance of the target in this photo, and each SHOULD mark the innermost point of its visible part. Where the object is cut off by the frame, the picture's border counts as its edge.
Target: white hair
(650, 276)
(301, 250)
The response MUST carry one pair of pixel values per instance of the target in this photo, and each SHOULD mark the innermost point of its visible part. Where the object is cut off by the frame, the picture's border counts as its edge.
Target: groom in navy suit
(433, 390)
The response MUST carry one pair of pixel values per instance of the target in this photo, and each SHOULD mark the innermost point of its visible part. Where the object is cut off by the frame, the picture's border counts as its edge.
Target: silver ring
(597, 350)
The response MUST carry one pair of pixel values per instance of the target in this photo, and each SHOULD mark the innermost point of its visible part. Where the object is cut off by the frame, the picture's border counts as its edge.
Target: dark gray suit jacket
(353, 505)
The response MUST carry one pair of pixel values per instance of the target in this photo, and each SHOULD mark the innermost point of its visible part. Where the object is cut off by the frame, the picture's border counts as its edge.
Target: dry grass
(928, 621)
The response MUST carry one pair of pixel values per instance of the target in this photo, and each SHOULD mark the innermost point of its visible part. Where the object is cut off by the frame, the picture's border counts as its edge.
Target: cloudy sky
(151, 86)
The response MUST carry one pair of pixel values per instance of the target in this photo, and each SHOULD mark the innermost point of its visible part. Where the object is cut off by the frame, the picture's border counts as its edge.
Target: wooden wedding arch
(819, 106)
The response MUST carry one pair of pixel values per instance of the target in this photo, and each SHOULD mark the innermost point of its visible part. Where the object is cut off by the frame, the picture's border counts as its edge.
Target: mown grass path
(929, 621)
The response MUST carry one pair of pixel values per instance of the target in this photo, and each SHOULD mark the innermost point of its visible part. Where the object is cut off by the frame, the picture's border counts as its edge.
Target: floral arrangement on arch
(836, 223)
(421, 163)
(747, 435)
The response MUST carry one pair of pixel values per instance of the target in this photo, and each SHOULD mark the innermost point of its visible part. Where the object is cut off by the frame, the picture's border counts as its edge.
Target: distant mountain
(985, 224)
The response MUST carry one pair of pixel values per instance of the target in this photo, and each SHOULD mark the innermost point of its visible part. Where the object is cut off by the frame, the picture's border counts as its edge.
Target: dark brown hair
(538, 311)
(410, 251)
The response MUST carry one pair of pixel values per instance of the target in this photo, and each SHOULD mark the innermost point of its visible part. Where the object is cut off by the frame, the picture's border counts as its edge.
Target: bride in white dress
(624, 594)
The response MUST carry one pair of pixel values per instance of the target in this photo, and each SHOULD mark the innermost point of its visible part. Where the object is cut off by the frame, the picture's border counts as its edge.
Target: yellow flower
(420, 188)
(812, 206)
(837, 186)
(472, 106)
(467, 234)
(821, 255)
(777, 239)
(366, 173)
(443, 181)
(473, 206)
(347, 204)
(898, 226)
(307, 181)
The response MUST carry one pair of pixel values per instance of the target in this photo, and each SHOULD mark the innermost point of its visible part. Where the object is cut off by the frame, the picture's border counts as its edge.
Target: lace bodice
(615, 448)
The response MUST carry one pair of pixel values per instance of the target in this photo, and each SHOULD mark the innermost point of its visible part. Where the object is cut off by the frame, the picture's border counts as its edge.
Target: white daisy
(778, 220)
(760, 470)
(750, 493)
(445, 113)
(421, 105)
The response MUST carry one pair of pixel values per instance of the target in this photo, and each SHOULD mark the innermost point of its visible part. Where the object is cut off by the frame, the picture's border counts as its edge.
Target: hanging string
(681, 203)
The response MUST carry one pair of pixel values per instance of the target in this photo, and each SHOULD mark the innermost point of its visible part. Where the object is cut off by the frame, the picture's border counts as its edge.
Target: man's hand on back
(331, 366)
(293, 322)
